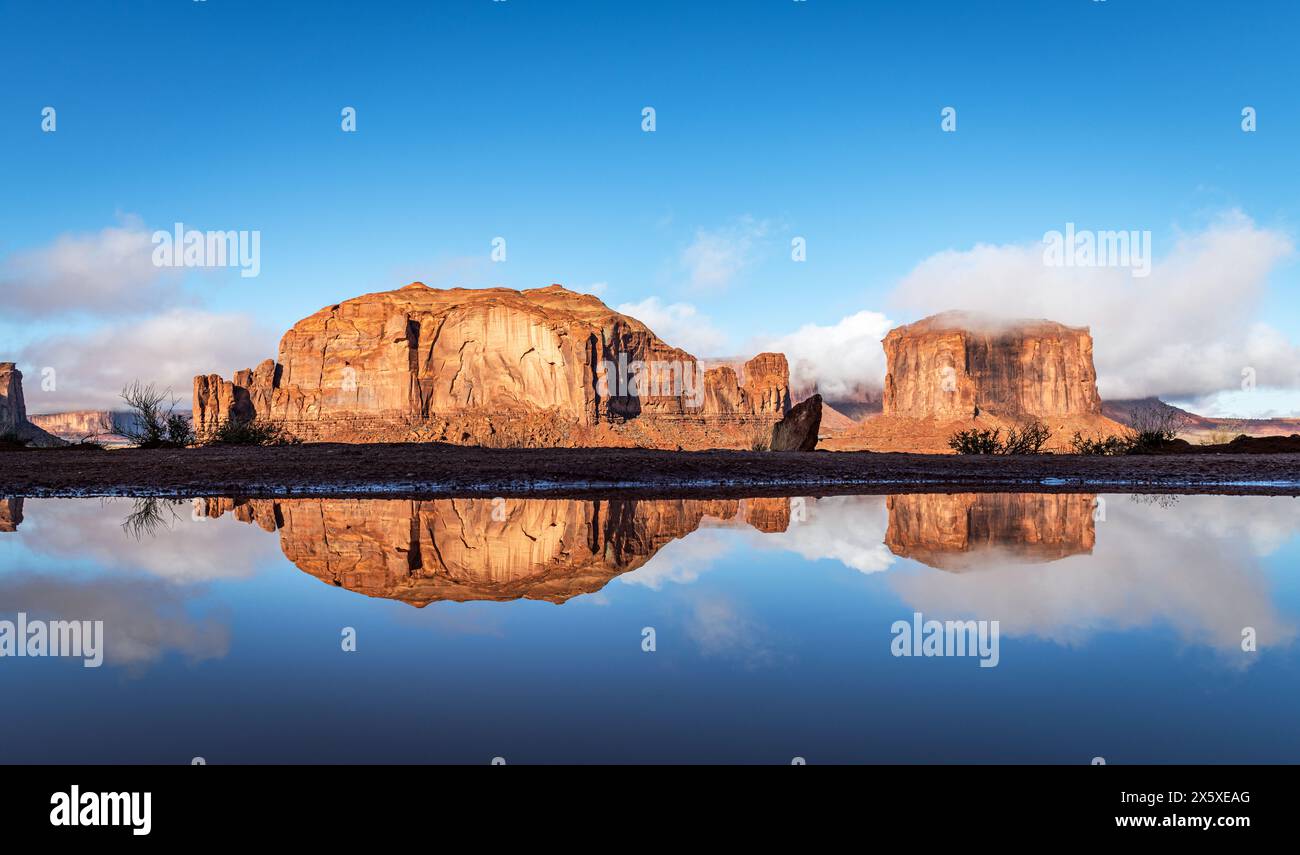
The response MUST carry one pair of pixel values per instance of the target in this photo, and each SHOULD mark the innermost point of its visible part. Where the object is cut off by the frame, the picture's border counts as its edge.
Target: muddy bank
(435, 469)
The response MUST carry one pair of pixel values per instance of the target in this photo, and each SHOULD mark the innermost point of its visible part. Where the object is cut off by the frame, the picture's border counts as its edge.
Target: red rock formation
(11, 514)
(542, 367)
(958, 371)
(798, 430)
(965, 530)
(484, 549)
(949, 364)
(13, 410)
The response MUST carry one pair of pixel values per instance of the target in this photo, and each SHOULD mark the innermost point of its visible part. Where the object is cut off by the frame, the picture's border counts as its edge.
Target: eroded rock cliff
(485, 549)
(13, 410)
(541, 367)
(957, 364)
(961, 371)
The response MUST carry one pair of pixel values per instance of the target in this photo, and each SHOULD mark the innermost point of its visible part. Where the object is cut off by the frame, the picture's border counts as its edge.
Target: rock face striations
(957, 364)
(496, 367)
(958, 371)
(421, 552)
(13, 411)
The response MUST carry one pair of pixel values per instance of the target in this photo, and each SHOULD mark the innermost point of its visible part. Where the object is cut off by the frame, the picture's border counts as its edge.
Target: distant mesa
(420, 552)
(961, 370)
(1197, 428)
(961, 531)
(14, 425)
(102, 426)
(497, 367)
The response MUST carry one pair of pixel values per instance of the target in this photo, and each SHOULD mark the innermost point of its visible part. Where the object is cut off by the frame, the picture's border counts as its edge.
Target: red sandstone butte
(960, 370)
(496, 367)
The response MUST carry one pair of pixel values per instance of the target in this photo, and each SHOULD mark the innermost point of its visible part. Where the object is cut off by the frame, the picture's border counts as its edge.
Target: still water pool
(1138, 629)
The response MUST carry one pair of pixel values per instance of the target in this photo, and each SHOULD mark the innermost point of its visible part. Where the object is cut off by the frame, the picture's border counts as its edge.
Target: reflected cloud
(1181, 567)
(720, 629)
(144, 619)
(159, 537)
(847, 529)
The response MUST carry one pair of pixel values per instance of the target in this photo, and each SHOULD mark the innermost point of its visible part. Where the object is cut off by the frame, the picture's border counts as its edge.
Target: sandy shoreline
(425, 470)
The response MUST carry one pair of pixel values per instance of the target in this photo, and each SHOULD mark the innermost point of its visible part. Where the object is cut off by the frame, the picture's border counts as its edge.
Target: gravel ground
(434, 469)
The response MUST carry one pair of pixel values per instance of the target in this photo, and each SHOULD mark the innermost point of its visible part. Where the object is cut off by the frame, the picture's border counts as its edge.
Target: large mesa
(496, 367)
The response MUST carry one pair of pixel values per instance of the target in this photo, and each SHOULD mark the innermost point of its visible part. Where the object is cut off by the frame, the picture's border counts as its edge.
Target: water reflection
(1062, 567)
(421, 552)
(772, 616)
(11, 514)
(964, 530)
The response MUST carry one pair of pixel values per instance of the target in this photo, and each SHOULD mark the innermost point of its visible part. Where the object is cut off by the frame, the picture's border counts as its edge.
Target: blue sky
(774, 119)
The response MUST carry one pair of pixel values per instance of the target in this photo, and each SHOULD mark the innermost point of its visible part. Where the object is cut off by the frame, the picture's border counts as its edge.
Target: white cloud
(681, 561)
(847, 529)
(168, 349)
(107, 272)
(716, 256)
(1187, 329)
(144, 619)
(679, 324)
(842, 361)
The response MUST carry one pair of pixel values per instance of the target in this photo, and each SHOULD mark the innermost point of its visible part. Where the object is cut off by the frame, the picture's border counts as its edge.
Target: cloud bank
(1188, 329)
(168, 349)
(110, 272)
(843, 361)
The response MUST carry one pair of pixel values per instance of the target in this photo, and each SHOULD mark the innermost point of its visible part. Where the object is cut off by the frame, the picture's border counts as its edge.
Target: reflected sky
(515, 628)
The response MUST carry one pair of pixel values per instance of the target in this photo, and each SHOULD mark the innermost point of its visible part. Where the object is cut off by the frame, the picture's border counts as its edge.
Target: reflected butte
(964, 530)
(421, 552)
(11, 514)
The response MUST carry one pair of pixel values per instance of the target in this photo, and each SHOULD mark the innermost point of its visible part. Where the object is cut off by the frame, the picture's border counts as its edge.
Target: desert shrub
(1108, 445)
(1155, 424)
(151, 422)
(976, 441)
(179, 429)
(255, 432)
(1027, 439)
